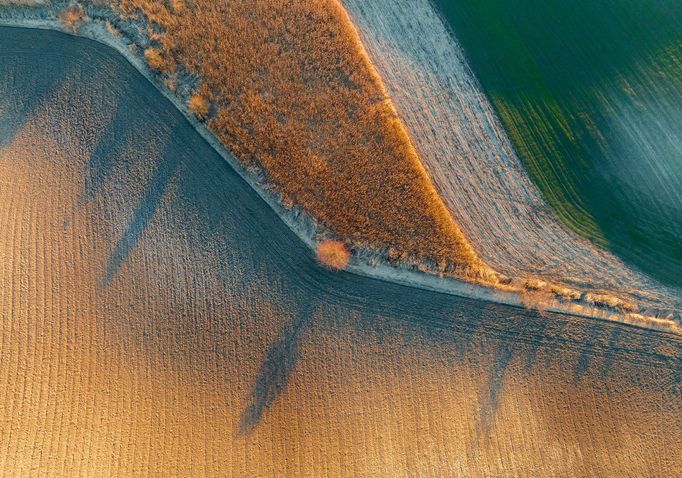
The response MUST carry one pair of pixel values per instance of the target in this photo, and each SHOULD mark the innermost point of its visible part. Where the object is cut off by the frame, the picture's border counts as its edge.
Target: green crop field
(590, 93)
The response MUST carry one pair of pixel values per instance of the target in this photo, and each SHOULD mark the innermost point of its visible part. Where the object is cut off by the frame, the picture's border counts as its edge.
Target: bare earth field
(158, 319)
(470, 159)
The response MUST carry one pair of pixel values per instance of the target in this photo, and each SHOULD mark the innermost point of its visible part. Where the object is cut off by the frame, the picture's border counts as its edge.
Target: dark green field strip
(591, 96)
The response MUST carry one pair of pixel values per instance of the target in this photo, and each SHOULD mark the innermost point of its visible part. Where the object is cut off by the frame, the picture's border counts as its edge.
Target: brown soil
(151, 304)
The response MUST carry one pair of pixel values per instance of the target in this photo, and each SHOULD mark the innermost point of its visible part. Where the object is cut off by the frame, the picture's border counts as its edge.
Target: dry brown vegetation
(115, 32)
(535, 284)
(296, 95)
(199, 106)
(333, 254)
(72, 16)
(565, 292)
(158, 60)
(611, 301)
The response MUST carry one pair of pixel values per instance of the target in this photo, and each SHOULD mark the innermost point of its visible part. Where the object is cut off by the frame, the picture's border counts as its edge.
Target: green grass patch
(590, 93)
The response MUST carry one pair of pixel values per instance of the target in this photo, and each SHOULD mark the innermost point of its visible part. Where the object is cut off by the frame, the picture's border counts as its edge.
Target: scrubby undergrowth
(333, 254)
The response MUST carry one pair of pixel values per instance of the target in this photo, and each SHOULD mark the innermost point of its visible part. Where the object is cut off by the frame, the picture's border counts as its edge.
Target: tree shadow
(275, 371)
(587, 353)
(677, 382)
(30, 82)
(168, 161)
(535, 346)
(493, 389)
(610, 352)
(126, 128)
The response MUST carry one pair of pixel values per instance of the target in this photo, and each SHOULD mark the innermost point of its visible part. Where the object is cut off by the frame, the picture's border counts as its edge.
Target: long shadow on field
(587, 354)
(168, 163)
(127, 129)
(33, 89)
(533, 349)
(610, 353)
(493, 389)
(275, 371)
(677, 382)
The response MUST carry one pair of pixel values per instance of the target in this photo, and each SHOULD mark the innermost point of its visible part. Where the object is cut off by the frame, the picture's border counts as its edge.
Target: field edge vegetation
(300, 101)
(203, 104)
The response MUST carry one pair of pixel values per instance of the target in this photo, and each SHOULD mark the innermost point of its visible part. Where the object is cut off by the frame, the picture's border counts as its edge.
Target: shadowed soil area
(158, 319)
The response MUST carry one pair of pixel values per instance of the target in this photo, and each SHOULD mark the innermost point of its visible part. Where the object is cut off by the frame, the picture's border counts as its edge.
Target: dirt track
(471, 161)
(159, 319)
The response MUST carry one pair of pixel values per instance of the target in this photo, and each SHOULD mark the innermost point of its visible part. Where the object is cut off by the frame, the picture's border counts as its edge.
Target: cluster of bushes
(72, 16)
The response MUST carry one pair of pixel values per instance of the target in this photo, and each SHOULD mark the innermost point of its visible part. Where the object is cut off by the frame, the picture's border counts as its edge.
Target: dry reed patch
(115, 32)
(171, 83)
(291, 84)
(333, 254)
(72, 16)
(199, 106)
(665, 323)
(158, 60)
(606, 300)
(565, 293)
(535, 284)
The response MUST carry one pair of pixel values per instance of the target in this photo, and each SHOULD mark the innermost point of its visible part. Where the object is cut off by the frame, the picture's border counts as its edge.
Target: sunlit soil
(158, 319)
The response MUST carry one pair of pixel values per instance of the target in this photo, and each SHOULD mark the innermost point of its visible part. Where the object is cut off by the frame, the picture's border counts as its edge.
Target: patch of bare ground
(294, 95)
(157, 319)
(471, 161)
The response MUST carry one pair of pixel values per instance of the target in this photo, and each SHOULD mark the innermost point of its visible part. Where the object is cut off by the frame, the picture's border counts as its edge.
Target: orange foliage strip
(295, 94)
(199, 106)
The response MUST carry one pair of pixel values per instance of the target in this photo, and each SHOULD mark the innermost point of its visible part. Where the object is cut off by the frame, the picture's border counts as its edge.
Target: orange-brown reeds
(158, 60)
(72, 16)
(296, 95)
(333, 254)
(199, 106)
